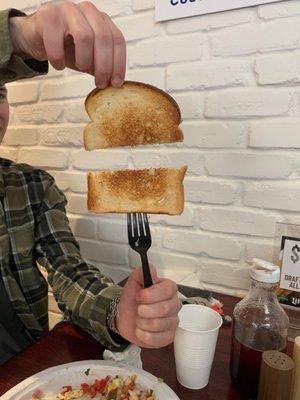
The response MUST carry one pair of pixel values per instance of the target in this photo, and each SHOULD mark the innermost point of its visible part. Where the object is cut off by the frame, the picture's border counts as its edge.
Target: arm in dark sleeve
(83, 293)
(13, 67)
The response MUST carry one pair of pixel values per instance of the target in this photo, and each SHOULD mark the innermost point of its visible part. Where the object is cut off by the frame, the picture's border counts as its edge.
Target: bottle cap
(264, 271)
(275, 376)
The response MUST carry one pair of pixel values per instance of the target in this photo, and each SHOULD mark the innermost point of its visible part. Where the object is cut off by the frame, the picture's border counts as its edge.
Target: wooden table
(66, 343)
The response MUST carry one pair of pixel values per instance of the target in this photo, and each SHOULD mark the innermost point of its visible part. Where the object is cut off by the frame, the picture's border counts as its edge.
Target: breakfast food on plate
(155, 190)
(134, 114)
(109, 388)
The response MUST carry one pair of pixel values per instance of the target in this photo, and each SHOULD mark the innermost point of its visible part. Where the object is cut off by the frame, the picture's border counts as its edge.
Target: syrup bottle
(259, 324)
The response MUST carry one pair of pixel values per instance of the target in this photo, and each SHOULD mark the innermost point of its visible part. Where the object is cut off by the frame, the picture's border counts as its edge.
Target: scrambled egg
(114, 384)
(72, 394)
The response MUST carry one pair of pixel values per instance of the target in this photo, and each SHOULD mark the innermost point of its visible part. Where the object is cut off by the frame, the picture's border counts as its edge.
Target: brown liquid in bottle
(245, 368)
(245, 361)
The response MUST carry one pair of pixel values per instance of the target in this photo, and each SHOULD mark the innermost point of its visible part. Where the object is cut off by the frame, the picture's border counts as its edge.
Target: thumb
(138, 277)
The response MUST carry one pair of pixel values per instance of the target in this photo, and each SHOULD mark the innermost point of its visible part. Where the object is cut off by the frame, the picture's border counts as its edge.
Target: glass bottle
(259, 324)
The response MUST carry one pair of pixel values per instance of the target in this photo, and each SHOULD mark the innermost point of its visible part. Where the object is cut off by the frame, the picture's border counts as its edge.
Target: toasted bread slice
(153, 191)
(131, 115)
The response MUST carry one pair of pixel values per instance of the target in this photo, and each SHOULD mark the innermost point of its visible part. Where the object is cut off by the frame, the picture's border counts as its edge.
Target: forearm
(83, 293)
(12, 65)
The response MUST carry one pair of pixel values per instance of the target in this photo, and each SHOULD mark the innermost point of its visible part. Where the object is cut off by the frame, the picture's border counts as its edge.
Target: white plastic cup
(195, 343)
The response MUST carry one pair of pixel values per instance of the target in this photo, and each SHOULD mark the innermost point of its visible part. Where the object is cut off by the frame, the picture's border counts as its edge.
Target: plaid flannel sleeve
(82, 292)
(13, 67)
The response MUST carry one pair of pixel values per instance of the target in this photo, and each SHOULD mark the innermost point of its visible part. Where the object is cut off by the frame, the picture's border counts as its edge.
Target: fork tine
(129, 226)
(140, 225)
(146, 224)
(135, 226)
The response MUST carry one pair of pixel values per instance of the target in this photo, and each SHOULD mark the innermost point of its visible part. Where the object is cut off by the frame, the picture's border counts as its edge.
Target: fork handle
(146, 271)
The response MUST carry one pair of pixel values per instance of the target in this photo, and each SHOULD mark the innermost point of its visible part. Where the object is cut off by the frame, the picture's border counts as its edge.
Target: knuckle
(169, 292)
(176, 321)
(179, 305)
(103, 35)
(84, 36)
(171, 288)
(105, 38)
(166, 339)
(171, 337)
(119, 39)
(88, 5)
(67, 5)
(140, 311)
(147, 338)
(144, 336)
(48, 11)
(166, 308)
(104, 15)
(175, 287)
(140, 322)
(154, 325)
(145, 297)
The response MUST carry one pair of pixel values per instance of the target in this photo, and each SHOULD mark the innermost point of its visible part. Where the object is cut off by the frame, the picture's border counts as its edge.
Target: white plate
(52, 379)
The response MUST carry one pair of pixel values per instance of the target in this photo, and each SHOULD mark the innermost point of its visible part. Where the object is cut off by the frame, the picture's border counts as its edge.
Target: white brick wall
(241, 103)
(165, 50)
(213, 134)
(256, 38)
(138, 5)
(29, 94)
(249, 165)
(210, 21)
(236, 77)
(139, 26)
(237, 221)
(276, 134)
(209, 190)
(207, 75)
(19, 4)
(274, 69)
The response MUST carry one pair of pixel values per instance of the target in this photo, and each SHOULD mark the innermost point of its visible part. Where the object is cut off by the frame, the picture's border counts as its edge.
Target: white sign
(290, 271)
(173, 9)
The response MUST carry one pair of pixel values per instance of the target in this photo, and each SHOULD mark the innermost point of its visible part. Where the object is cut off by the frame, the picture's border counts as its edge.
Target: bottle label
(290, 270)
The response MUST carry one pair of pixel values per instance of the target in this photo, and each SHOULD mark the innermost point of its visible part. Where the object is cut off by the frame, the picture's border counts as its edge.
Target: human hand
(77, 36)
(148, 317)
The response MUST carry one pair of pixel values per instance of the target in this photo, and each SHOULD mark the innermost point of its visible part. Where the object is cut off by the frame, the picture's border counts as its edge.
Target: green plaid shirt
(34, 229)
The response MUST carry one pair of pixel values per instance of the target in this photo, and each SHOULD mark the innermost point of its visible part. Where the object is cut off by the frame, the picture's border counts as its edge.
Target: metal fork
(139, 238)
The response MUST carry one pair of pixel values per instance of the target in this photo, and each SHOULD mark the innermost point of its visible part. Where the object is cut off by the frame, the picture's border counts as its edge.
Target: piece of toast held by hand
(134, 114)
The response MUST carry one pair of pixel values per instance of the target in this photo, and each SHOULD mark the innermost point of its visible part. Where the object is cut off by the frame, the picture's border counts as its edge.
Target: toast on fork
(152, 191)
(132, 115)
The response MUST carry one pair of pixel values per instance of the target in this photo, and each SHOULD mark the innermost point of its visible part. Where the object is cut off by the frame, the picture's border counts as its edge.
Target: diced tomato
(93, 391)
(85, 387)
(100, 385)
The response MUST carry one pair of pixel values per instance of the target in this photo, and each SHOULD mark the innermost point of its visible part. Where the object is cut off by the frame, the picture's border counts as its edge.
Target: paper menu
(289, 286)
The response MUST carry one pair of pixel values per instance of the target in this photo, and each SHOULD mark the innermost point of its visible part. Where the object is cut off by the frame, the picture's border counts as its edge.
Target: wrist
(112, 314)
(15, 28)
